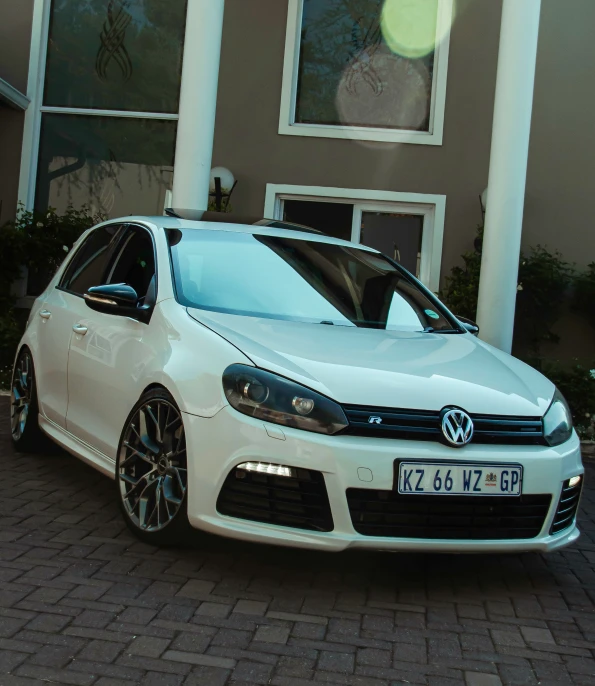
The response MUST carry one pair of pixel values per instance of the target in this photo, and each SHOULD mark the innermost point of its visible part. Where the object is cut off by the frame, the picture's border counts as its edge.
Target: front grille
(567, 507)
(390, 514)
(300, 502)
(420, 425)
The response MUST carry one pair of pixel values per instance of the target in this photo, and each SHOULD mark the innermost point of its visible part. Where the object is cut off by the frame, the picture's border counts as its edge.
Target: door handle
(81, 330)
(45, 314)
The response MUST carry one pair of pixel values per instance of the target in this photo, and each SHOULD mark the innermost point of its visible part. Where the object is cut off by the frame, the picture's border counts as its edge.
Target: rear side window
(89, 265)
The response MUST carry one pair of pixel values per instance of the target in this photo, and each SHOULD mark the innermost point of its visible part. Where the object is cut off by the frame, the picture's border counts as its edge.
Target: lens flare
(409, 27)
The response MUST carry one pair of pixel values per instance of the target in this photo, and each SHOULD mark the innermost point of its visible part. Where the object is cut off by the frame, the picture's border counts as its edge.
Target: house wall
(247, 142)
(15, 42)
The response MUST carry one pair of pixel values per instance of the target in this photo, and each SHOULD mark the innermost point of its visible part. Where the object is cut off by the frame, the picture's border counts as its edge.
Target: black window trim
(123, 226)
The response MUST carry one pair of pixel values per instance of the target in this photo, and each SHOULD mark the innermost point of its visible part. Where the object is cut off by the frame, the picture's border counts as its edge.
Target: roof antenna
(172, 213)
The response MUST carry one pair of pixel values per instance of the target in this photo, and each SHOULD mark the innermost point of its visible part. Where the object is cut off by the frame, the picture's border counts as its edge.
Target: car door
(108, 351)
(60, 311)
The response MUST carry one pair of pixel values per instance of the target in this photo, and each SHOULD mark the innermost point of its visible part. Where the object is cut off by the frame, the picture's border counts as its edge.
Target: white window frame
(431, 207)
(289, 127)
(35, 86)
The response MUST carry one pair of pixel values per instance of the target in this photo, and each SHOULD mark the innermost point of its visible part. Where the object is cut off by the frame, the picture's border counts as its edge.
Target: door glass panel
(115, 54)
(396, 235)
(135, 265)
(355, 69)
(333, 218)
(89, 264)
(114, 165)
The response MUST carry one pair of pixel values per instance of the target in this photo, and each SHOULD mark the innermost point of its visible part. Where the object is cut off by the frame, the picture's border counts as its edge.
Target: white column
(508, 171)
(198, 103)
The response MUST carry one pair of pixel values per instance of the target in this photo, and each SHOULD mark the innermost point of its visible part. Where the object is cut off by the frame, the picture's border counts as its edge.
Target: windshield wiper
(431, 329)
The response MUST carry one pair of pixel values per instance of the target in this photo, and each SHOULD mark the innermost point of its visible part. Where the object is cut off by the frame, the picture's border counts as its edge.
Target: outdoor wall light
(221, 187)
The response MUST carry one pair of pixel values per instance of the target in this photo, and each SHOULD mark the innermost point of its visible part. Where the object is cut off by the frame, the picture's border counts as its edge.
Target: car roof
(222, 221)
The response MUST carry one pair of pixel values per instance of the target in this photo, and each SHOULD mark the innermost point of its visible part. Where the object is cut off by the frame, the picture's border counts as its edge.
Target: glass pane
(90, 262)
(396, 235)
(135, 265)
(348, 75)
(115, 54)
(332, 218)
(115, 165)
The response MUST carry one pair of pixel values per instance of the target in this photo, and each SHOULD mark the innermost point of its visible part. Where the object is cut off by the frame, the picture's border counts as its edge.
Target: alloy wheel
(21, 394)
(152, 469)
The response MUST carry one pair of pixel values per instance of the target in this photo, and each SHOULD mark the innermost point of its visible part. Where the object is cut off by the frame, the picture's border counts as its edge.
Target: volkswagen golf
(263, 381)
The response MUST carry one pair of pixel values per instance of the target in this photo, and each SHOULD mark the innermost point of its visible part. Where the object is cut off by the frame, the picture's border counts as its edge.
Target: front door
(59, 313)
(107, 352)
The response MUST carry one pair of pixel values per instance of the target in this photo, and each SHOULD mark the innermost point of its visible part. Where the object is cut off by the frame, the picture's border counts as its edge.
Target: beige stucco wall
(246, 138)
(15, 41)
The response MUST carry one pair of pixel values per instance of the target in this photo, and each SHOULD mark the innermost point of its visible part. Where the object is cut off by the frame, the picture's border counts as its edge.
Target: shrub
(584, 293)
(38, 241)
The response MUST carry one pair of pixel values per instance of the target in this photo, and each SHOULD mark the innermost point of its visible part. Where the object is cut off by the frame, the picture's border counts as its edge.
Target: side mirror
(469, 325)
(115, 298)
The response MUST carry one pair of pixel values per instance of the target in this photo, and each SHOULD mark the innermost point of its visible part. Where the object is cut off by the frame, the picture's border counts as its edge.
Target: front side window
(135, 264)
(299, 280)
(366, 65)
(89, 264)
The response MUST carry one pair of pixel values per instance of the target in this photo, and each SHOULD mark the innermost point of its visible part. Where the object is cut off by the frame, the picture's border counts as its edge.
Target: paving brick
(301, 667)
(214, 609)
(342, 663)
(480, 679)
(272, 634)
(205, 676)
(192, 642)
(136, 615)
(100, 651)
(194, 659)
(53, 656)
(533, 635)
(251, 607)
(9, 659)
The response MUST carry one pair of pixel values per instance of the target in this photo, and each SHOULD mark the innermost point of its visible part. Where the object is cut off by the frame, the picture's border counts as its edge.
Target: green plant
(38, 241)
(543, 284)
(584, 293)
(577, 385)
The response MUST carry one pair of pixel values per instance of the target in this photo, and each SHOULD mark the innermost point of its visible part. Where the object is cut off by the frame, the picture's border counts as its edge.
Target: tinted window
(89, 265)
(135, 264)
(300, 280)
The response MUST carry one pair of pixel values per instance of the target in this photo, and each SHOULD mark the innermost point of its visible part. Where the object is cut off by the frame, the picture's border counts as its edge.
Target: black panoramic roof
(223, 217)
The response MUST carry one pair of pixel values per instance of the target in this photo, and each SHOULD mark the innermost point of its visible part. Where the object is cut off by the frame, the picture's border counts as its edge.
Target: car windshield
(298, 280)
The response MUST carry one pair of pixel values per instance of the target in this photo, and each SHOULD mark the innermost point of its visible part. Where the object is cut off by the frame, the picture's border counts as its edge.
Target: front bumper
(218, 444)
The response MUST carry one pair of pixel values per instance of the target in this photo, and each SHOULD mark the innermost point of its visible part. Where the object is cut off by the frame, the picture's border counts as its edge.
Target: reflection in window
(115, 165)
(115, 54)
(348, 74)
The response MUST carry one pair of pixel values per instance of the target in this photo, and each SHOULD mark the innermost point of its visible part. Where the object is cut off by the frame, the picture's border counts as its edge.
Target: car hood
(378, 368)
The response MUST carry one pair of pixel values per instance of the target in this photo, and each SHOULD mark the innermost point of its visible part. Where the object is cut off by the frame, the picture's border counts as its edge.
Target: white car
(263, 381)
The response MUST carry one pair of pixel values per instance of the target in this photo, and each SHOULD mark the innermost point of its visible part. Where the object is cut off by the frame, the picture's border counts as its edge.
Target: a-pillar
(198, 104)
(508, 171)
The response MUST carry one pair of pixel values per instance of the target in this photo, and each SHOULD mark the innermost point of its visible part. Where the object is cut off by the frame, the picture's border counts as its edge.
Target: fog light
(575, 481)
(267, 468)
(302, 406)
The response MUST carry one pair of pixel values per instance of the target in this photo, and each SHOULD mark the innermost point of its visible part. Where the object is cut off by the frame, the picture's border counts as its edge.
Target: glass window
(300, 280)
(332, 218)
(90, 262)
(135, 265)
(116, 166)
(355, 69)
(115, 54)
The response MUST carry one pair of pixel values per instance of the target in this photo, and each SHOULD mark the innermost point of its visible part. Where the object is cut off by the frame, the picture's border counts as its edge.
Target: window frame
(289, 127)
(121, 228)
(431, 206)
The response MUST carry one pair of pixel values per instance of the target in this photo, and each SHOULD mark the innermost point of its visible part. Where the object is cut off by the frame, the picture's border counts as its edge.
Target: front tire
(151, 470)
(26, 435)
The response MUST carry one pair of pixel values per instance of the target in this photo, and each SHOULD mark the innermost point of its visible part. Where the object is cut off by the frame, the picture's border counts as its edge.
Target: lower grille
(390, 514)
(300, 502)
(567, 507)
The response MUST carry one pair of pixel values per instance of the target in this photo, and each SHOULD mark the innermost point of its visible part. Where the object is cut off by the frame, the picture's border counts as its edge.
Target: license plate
(417, 478)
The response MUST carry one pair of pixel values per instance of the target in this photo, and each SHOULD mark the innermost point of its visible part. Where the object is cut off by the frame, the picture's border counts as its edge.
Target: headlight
(557, 423)
(278, 400)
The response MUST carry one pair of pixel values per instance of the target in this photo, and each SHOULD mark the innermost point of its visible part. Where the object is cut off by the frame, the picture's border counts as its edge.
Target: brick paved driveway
(82, 602)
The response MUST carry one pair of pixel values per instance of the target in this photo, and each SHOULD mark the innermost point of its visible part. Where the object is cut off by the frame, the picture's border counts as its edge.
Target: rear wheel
(151, 470)
(27, 437)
